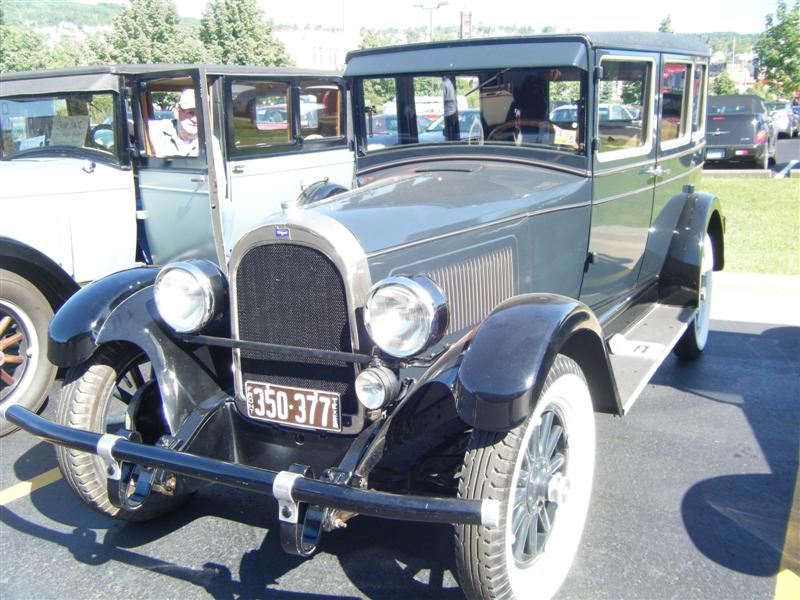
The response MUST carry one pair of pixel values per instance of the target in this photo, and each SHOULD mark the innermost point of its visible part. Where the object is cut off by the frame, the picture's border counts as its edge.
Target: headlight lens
(189, 294)
(404, 316)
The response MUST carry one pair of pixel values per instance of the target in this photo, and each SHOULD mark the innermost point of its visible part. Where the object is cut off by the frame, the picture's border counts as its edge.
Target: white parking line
(24, 488)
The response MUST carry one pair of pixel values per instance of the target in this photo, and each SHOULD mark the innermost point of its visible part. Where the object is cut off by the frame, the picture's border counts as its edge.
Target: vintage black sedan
(740, 131)
(432, 345)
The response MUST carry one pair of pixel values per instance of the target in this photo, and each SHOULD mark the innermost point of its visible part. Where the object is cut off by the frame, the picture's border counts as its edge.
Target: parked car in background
(432, 345)
(739, 130)
(84, 195)
(783, 117)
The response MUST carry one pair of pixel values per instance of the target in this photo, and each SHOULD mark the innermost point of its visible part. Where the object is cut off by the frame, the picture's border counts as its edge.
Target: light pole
(430, 10)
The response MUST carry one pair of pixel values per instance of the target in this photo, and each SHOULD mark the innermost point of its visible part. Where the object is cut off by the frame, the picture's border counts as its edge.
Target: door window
(58, 124)
(320, 110)
(698, 98)
(170, 118)
(262, 115)
(674, 103)
(623, 108)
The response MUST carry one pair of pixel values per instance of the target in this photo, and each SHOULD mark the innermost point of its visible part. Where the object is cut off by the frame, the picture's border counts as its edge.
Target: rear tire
(97, 396)
(541, 473)
(25, 373)
(694, 339)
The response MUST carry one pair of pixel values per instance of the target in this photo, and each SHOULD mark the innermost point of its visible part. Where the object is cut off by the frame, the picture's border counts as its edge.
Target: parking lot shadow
(740, 520)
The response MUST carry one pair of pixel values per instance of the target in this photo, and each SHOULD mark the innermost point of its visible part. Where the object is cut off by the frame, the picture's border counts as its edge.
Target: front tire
(694, 339)
(541, 473)
(115, 389)
(25, 372)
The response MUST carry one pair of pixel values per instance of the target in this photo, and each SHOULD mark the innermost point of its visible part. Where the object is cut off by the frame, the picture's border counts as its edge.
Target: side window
(623, 98)
(59, 123)
(170, 115)
(380, 112)
(261, 114)
(698, 97)
(320, 110)
(674, 101)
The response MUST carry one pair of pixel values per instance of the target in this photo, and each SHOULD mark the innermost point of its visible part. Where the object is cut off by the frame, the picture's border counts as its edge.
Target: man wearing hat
(176, 137)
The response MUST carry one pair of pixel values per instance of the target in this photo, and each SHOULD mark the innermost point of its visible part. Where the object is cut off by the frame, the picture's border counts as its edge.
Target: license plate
(298, 407)
(715, 153)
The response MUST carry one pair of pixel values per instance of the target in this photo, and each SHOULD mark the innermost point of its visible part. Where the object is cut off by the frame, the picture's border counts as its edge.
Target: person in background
(450, 109)
(178, 136)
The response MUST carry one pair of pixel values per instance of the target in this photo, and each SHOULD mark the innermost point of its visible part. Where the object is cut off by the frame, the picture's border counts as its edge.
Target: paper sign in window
(69, 131)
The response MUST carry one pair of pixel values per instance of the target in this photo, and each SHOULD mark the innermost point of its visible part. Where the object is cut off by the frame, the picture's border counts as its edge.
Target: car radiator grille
(294, 295)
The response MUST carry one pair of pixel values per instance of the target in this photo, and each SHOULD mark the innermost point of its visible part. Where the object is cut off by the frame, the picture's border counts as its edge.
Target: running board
(636, 354)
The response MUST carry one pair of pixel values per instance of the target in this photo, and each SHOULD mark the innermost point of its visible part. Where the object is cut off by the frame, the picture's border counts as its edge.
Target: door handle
(89, 166)
(238, 169)
(655, 171)
(201, 179)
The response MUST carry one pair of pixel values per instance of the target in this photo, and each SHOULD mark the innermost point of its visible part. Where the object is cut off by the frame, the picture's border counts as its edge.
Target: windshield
(44, 124)
(520, 107)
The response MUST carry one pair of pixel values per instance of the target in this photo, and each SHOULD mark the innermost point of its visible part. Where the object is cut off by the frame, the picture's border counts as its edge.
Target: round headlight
(404, 316)
(189, 294)
(376, 387)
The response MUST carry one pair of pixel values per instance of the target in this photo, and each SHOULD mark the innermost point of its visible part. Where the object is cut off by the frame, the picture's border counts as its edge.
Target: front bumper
(287, 487)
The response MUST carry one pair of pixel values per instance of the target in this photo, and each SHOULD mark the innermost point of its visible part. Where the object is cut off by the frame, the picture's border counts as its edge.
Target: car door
(176, 210)
(679, 153)
(67, 188)
(624, 162)
(283, 134)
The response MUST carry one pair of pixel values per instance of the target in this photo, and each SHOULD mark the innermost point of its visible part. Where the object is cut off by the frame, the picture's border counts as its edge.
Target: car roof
(565, 49)
(106, 77)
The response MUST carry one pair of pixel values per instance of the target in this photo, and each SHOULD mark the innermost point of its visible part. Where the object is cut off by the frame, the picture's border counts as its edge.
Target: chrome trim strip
(619, 169)
(105, 445)
(502, 221)
(317, 231)
(647, 188)
(472, 157)
(684, 174)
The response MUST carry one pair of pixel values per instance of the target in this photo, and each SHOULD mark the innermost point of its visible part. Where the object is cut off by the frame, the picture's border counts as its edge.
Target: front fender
(680, 275)
(504, 368)
(121, 308)
(75, 328)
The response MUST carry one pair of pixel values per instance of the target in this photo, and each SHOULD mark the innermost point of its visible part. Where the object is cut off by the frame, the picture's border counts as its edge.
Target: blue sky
(689, 16)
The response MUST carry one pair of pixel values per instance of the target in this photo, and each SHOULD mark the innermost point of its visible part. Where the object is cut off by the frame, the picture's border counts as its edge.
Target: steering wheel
(515, 129)
(93, 135)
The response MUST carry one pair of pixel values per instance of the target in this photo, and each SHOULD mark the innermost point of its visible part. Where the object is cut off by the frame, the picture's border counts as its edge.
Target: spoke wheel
(541, 472)
(25, 372)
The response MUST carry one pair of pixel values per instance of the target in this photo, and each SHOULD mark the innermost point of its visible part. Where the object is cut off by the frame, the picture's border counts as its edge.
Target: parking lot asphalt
(693, 493)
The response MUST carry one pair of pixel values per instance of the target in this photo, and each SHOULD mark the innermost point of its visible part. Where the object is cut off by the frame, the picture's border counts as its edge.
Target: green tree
(778, 47)
(19, 49)
(724, 84)
(149, 31)
(666, 25)
(235, 33)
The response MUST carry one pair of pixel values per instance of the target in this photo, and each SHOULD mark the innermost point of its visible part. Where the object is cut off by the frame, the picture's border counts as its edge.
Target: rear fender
(680, 275)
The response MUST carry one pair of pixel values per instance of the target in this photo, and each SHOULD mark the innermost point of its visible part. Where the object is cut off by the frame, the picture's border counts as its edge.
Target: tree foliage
(724, 84)
(778, 47)
(149, 31)
(19, 49)
(235, 33)
(666, 25)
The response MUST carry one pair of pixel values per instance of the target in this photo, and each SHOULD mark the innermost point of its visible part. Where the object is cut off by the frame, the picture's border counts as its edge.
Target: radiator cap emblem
(281, 232)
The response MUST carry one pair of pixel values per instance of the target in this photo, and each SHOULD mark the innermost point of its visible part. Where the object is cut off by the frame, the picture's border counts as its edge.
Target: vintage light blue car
(431, 345)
